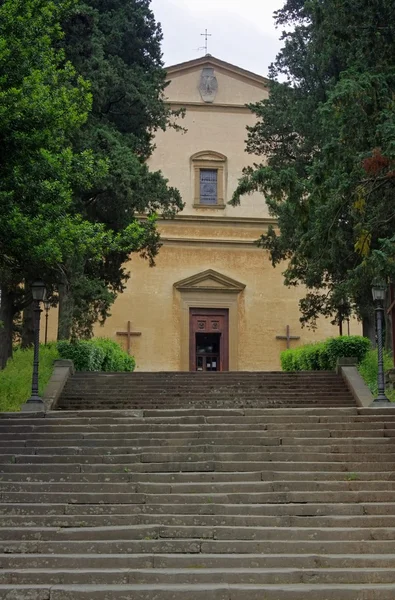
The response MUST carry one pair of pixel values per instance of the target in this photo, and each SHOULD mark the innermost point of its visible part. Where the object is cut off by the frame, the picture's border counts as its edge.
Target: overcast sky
(243, 31)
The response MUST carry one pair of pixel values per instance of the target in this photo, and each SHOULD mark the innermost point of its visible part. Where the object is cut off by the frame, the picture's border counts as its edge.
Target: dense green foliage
(16, 378)
(43, 103)
(81, 97)
(116, 46)
(323, 356)
(98, 354)
(328, 132)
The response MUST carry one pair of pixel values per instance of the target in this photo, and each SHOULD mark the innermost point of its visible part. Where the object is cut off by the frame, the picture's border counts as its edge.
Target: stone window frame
(213, 161)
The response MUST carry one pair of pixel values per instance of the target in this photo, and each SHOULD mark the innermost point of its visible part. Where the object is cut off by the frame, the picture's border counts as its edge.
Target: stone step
(203, 488)
(120, 445)
(147, 427)
(212, 461)
(213, 446)
(204, 392)
(267, 467)
(117, 405)
(307, 421)
(193, 478)
(193, 562)
(208, 477)
(208, 508)
(217, 381)
(250, 423)
(189, 520)
(203, 592)
(168, 433)
(240, 498)
(269, 412)
(184, 532)
(254, 401)
(197, 576)
(197, 546)
(203, 395)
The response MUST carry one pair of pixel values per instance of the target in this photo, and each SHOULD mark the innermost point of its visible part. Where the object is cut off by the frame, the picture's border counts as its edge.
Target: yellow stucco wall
(265, 307)
(220, 239)
(208, 129)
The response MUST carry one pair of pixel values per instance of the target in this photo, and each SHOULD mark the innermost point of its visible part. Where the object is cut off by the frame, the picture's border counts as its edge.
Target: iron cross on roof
(206, 36)
(129, 334)
(288, 337)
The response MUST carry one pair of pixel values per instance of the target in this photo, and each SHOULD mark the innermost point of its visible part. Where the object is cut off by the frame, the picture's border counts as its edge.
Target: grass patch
(352, 477)
(16, 378)
(368, 370)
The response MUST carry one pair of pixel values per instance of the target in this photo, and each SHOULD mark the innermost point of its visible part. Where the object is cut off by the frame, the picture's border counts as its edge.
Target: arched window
(209, 172)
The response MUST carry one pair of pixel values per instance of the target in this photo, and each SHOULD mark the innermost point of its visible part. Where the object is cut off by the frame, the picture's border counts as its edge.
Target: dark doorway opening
(209, 339)
(208, 351)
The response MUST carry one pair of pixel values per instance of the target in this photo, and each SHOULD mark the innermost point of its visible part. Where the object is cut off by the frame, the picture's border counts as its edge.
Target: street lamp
(379, 288)
(38, 293)
(343, 307)
(47, 306)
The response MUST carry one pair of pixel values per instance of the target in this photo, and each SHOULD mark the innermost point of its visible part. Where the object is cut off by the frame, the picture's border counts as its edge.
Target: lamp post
(379, 288)
(38, 293)
(47, 305)
(343, 306)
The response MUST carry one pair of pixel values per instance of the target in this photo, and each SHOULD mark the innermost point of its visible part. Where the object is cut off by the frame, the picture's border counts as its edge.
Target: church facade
(213, 301)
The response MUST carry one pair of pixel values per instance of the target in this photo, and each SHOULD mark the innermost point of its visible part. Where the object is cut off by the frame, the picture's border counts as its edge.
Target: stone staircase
(205, 390)
(193, 503)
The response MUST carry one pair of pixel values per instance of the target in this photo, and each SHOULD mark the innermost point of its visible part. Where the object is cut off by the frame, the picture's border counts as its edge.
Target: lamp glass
(378, 294)
(47, 304)
(39, 291)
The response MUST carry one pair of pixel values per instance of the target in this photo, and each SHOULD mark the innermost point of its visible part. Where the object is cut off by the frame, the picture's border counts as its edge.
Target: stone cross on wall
(288, 337)
(129, 334)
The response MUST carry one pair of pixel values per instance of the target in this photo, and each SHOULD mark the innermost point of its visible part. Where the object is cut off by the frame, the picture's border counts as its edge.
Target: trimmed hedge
(98, 354)
(323, 356)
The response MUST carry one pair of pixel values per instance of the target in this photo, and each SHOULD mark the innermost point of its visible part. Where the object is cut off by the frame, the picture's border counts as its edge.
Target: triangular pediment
(209, 281)
(212, 61)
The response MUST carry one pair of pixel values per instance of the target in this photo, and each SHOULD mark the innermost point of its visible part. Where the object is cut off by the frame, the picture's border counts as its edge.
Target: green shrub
(287, 360)
(85, 355)
(115, 359)
(352, 345)
(323, 356)
(16, 378)
(98, 354)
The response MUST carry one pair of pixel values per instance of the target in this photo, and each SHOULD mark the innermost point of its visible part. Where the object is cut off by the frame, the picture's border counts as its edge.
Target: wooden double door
(209, 339)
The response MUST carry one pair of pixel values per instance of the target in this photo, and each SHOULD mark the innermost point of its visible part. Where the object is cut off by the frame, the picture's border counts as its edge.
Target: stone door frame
(209, 290)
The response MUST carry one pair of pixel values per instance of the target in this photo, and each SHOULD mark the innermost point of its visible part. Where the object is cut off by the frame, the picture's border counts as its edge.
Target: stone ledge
(61, 372)
(347, 368)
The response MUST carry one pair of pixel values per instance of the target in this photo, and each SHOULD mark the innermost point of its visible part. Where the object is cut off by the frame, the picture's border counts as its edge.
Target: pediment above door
(209, 281)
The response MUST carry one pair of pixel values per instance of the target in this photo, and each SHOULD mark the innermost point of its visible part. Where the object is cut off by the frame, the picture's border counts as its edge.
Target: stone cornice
(209, 242)
(214, 107)
(220, 219)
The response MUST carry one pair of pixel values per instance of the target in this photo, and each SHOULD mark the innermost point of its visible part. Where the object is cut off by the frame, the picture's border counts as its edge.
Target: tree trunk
(369, 328)
(66, 307)
(6, 321)
(28, 327)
